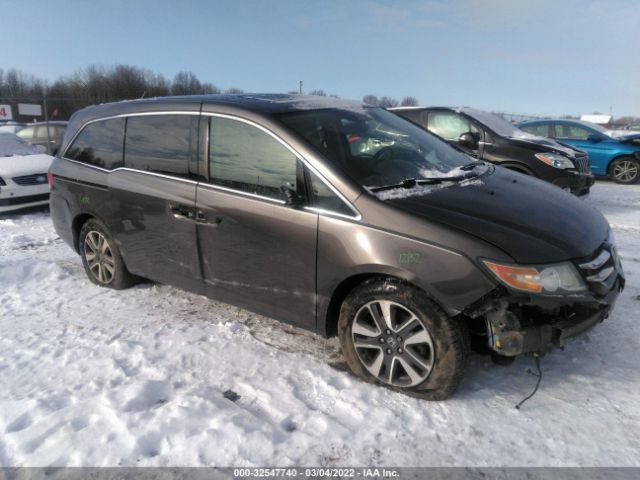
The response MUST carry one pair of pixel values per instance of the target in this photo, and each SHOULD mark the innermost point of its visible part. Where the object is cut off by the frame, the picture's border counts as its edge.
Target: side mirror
(594, 138)
(293, 199)
(467, 140)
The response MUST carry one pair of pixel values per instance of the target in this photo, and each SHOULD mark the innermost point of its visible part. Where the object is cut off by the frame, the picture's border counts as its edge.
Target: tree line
(98, 84)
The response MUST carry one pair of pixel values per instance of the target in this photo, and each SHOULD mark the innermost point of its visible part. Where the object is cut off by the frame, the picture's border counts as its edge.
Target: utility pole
(46, 118)
(300, 85)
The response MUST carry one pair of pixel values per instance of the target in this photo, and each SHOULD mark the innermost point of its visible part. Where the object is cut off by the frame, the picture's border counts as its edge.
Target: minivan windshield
(375, 147)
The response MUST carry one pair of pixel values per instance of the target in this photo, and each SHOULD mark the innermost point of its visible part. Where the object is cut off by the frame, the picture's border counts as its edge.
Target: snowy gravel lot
(89, 376)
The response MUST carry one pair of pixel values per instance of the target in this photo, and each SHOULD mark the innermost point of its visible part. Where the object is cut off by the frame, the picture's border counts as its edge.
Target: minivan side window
(99, 144)
(322, 197)
(161, 143)
(243, 157)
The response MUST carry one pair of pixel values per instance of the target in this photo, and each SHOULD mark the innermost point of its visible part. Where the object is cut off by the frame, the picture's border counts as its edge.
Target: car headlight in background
(558, 279)
(555, 160)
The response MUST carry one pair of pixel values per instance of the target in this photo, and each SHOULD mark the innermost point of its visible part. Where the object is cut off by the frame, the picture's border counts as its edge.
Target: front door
(257, 250)
(450, 126)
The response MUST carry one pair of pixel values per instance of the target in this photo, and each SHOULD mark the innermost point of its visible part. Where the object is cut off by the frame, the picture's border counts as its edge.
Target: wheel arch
(618, 157)
(328, 326)
(76, 225)
(633, 158)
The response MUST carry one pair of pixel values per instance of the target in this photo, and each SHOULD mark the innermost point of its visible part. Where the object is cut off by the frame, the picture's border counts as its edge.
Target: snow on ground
(157, 376)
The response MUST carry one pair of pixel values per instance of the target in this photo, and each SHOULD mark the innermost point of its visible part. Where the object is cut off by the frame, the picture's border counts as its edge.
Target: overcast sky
(520, 56)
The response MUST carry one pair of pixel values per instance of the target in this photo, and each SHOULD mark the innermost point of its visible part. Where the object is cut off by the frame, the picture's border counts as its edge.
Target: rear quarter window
(99, 144)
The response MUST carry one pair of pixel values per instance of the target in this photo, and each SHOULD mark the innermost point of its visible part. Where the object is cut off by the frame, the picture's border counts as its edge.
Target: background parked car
(23, 174)
(491, 138)
(36, 134)
(11, 127)
(618, 157)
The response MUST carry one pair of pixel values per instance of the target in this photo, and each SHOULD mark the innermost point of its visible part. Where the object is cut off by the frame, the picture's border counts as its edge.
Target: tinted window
(494, 122)
(539, 130)
(99, 144)
(450, 125)
(572, 132)
(245, 158)
(324, 198)
(161, 143)
(416, 116)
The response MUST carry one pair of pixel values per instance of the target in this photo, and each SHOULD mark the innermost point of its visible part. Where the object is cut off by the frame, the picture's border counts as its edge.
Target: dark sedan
(488, 137)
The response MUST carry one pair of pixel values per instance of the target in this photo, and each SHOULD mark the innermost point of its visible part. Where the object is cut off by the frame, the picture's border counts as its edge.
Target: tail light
(49, 177)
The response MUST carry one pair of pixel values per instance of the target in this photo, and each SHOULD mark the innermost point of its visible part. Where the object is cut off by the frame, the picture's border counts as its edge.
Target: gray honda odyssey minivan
(336, 217)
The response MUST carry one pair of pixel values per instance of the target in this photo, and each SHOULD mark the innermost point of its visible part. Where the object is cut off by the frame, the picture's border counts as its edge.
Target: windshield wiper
(472, 165)
(414, 182)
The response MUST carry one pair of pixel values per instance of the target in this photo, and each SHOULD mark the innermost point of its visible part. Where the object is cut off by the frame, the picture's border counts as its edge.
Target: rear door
(154, 197)
(256, 250)
(576, 135)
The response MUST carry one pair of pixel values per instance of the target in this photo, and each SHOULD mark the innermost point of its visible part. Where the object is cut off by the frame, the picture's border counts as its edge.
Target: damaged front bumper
(516, 323)
(507, 335)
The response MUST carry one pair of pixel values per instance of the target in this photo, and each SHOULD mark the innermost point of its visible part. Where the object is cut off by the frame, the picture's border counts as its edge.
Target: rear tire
(625, 170)
(391, 333)
(101, 257)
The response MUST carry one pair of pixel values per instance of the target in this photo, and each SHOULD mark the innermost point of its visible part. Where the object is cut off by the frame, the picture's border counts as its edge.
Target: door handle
(201, 217)
(181, 211)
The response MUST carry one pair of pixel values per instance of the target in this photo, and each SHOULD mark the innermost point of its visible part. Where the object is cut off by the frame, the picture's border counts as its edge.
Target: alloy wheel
(99, 257)
(392, 343)
(625, 170)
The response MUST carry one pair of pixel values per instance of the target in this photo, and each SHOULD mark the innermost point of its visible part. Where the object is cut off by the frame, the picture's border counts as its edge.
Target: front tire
(625, 170)
(391, 333)
(101, 257)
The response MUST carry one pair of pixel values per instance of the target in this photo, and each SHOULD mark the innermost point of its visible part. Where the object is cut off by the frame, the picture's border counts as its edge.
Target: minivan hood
(531, 220)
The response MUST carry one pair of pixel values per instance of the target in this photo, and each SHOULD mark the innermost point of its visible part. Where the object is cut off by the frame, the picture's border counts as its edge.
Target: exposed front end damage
(513, 323)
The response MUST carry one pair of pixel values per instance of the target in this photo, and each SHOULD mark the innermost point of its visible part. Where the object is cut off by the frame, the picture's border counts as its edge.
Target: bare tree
(234, 90)
(320, 93)
(371, 100)
(409, 102)
(186, 83)
(388, 102)
(209, 88)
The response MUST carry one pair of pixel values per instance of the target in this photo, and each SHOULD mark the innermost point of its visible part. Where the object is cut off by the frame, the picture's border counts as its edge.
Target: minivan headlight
(555, 160)
(555, 279)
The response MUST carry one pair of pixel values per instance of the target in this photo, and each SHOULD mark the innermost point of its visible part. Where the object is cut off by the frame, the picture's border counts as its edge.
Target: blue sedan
(617, 157)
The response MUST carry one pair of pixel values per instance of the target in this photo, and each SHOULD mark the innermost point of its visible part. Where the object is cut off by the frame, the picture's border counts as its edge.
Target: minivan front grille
(583, 165)
(600, 271)
(30, 180)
